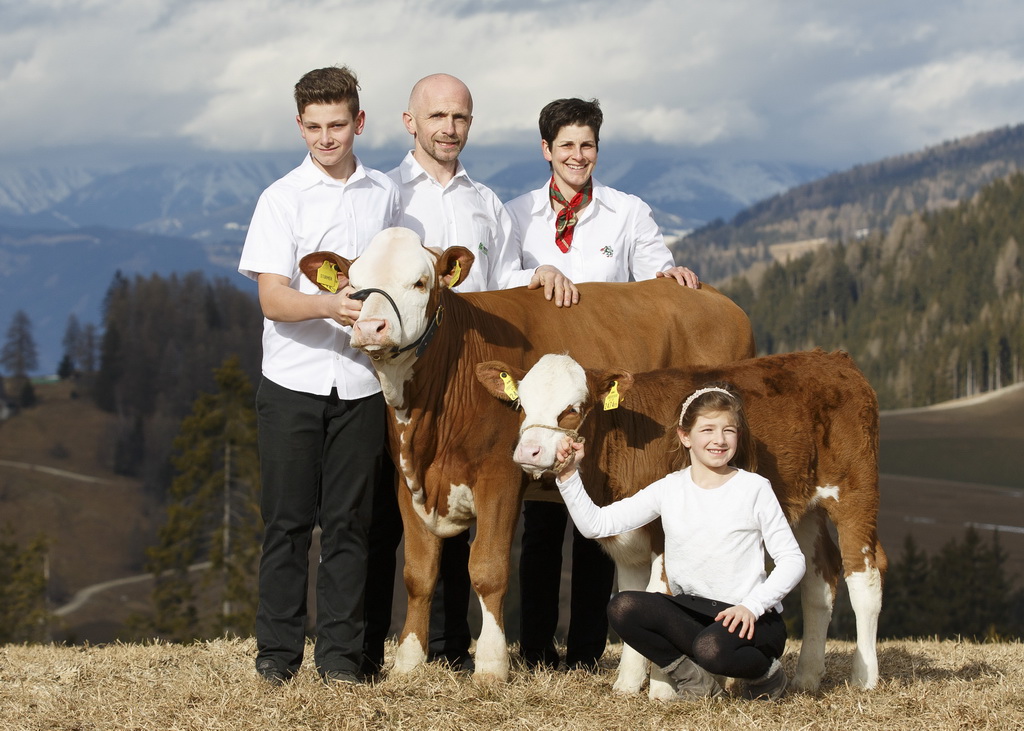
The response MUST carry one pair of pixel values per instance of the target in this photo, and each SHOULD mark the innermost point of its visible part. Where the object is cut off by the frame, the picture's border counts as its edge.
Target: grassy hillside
(924, 685)
(55, 480)
(974, 440)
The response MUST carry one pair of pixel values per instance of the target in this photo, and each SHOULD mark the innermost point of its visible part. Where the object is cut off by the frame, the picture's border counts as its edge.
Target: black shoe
(460, 662)
(547, 658)
(369, 671)
(343, 677)
(271, 673)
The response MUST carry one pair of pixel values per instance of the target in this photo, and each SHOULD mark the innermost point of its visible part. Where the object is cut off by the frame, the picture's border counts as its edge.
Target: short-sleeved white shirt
(303, 212)
(615, 240)
(461, 213)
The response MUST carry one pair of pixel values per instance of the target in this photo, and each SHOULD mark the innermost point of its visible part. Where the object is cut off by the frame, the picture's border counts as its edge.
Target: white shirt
(714, 539)
(461, 213)
(307, 211)
(615, 239)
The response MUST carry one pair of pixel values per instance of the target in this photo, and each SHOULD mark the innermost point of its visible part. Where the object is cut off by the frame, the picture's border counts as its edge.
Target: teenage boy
(320, 411)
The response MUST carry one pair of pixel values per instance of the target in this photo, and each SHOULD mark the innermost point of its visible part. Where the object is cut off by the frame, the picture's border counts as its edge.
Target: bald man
(446, 207)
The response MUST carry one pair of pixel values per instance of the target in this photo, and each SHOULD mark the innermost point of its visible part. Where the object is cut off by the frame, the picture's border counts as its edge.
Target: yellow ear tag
(510, 386)
(327, 276)
(456, 273)
(611, 401)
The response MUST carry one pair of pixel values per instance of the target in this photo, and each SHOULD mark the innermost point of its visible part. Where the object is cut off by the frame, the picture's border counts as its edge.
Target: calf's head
(555, 396)
(398, 280)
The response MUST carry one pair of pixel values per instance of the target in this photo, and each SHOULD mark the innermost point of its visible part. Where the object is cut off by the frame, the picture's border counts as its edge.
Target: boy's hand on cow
(557, 286)
(738, 616)
(567, 455)
(345, 310)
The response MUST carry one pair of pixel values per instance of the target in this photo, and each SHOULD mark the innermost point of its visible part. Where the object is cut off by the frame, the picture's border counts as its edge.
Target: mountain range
(67, 227)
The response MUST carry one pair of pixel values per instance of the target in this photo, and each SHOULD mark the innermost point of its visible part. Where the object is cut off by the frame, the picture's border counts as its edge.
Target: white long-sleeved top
(715, 539)
(615, 240)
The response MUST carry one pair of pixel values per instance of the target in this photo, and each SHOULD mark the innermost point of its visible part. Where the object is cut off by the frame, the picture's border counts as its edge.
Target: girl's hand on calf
(567, 455)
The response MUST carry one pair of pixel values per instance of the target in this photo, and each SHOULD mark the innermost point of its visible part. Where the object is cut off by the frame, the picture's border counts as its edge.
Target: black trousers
(540, 573)
(449, 623)
(319, 461)
(662, 627)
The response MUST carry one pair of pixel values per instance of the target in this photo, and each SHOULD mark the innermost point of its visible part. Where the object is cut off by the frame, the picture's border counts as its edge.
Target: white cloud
(796, 80)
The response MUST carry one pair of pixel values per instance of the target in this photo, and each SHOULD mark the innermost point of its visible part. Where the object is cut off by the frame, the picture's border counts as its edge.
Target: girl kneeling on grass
(723, 616)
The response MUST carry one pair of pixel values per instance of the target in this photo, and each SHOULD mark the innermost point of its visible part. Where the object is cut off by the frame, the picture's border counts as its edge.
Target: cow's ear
(609, 386)
(325, 269)
(500, 380)
(453, 265)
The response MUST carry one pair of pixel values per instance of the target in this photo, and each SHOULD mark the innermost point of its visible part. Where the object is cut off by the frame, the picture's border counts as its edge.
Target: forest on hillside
(930, 310)
(849, 205)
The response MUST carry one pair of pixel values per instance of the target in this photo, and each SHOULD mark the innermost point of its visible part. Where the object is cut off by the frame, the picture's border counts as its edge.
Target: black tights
(661, 630)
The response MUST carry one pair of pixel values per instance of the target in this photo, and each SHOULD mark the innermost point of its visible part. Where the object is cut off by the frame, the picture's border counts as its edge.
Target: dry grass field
(212, 686)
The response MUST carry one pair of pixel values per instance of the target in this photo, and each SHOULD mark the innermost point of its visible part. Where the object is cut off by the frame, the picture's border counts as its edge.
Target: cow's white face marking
(554, 384)
(394, 262)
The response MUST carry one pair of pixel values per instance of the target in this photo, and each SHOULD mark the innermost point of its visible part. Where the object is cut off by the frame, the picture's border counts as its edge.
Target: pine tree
(23, 613)
(213, 516)
(971, 590)
(908, 609)
(72, 343)
(19, 356)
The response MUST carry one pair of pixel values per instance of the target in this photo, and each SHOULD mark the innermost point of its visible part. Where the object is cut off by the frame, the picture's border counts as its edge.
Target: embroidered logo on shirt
(608, 251)
(481, 248)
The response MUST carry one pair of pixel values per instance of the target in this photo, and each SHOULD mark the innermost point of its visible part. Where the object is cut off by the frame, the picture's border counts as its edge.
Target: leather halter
(419, 343)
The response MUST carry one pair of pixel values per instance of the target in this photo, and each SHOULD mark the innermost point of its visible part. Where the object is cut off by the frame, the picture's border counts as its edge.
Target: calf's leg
(817, 596)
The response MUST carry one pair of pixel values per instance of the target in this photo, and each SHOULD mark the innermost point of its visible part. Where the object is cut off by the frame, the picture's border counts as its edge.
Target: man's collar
(412, 170)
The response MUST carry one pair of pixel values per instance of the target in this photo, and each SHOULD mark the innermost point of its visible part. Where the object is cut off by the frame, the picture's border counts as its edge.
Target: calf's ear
(500, 380)
(453, 266)
(609, 386)
(318, 267)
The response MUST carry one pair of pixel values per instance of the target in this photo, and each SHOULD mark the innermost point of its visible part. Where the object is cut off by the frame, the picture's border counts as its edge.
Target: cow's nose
(371, 330)
(527, 453)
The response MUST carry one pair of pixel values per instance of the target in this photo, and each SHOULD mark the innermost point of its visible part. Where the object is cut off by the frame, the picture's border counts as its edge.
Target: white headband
(695, 394)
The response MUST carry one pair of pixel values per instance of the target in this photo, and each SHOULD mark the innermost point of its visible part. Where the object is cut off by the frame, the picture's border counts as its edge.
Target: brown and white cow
(449, 439)
(814, 418)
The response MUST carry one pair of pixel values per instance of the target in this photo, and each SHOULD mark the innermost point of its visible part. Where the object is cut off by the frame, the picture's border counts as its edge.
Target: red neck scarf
(565, 221)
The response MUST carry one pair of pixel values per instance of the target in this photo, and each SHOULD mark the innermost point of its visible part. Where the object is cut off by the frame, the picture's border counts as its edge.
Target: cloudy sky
(816, 82)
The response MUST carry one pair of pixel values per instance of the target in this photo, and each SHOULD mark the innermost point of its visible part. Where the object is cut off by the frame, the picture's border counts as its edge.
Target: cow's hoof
(807, 682)
(864, 678)
(489, 678)
(409, 656)
(661, 690)
(627, 686)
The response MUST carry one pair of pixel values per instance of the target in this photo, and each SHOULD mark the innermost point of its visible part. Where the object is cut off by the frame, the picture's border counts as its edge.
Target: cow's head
(555, 395)
(398, 280)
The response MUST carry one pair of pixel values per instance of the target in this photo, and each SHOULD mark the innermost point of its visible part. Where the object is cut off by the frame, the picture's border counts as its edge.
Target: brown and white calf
(449, 439)
(814, 418)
